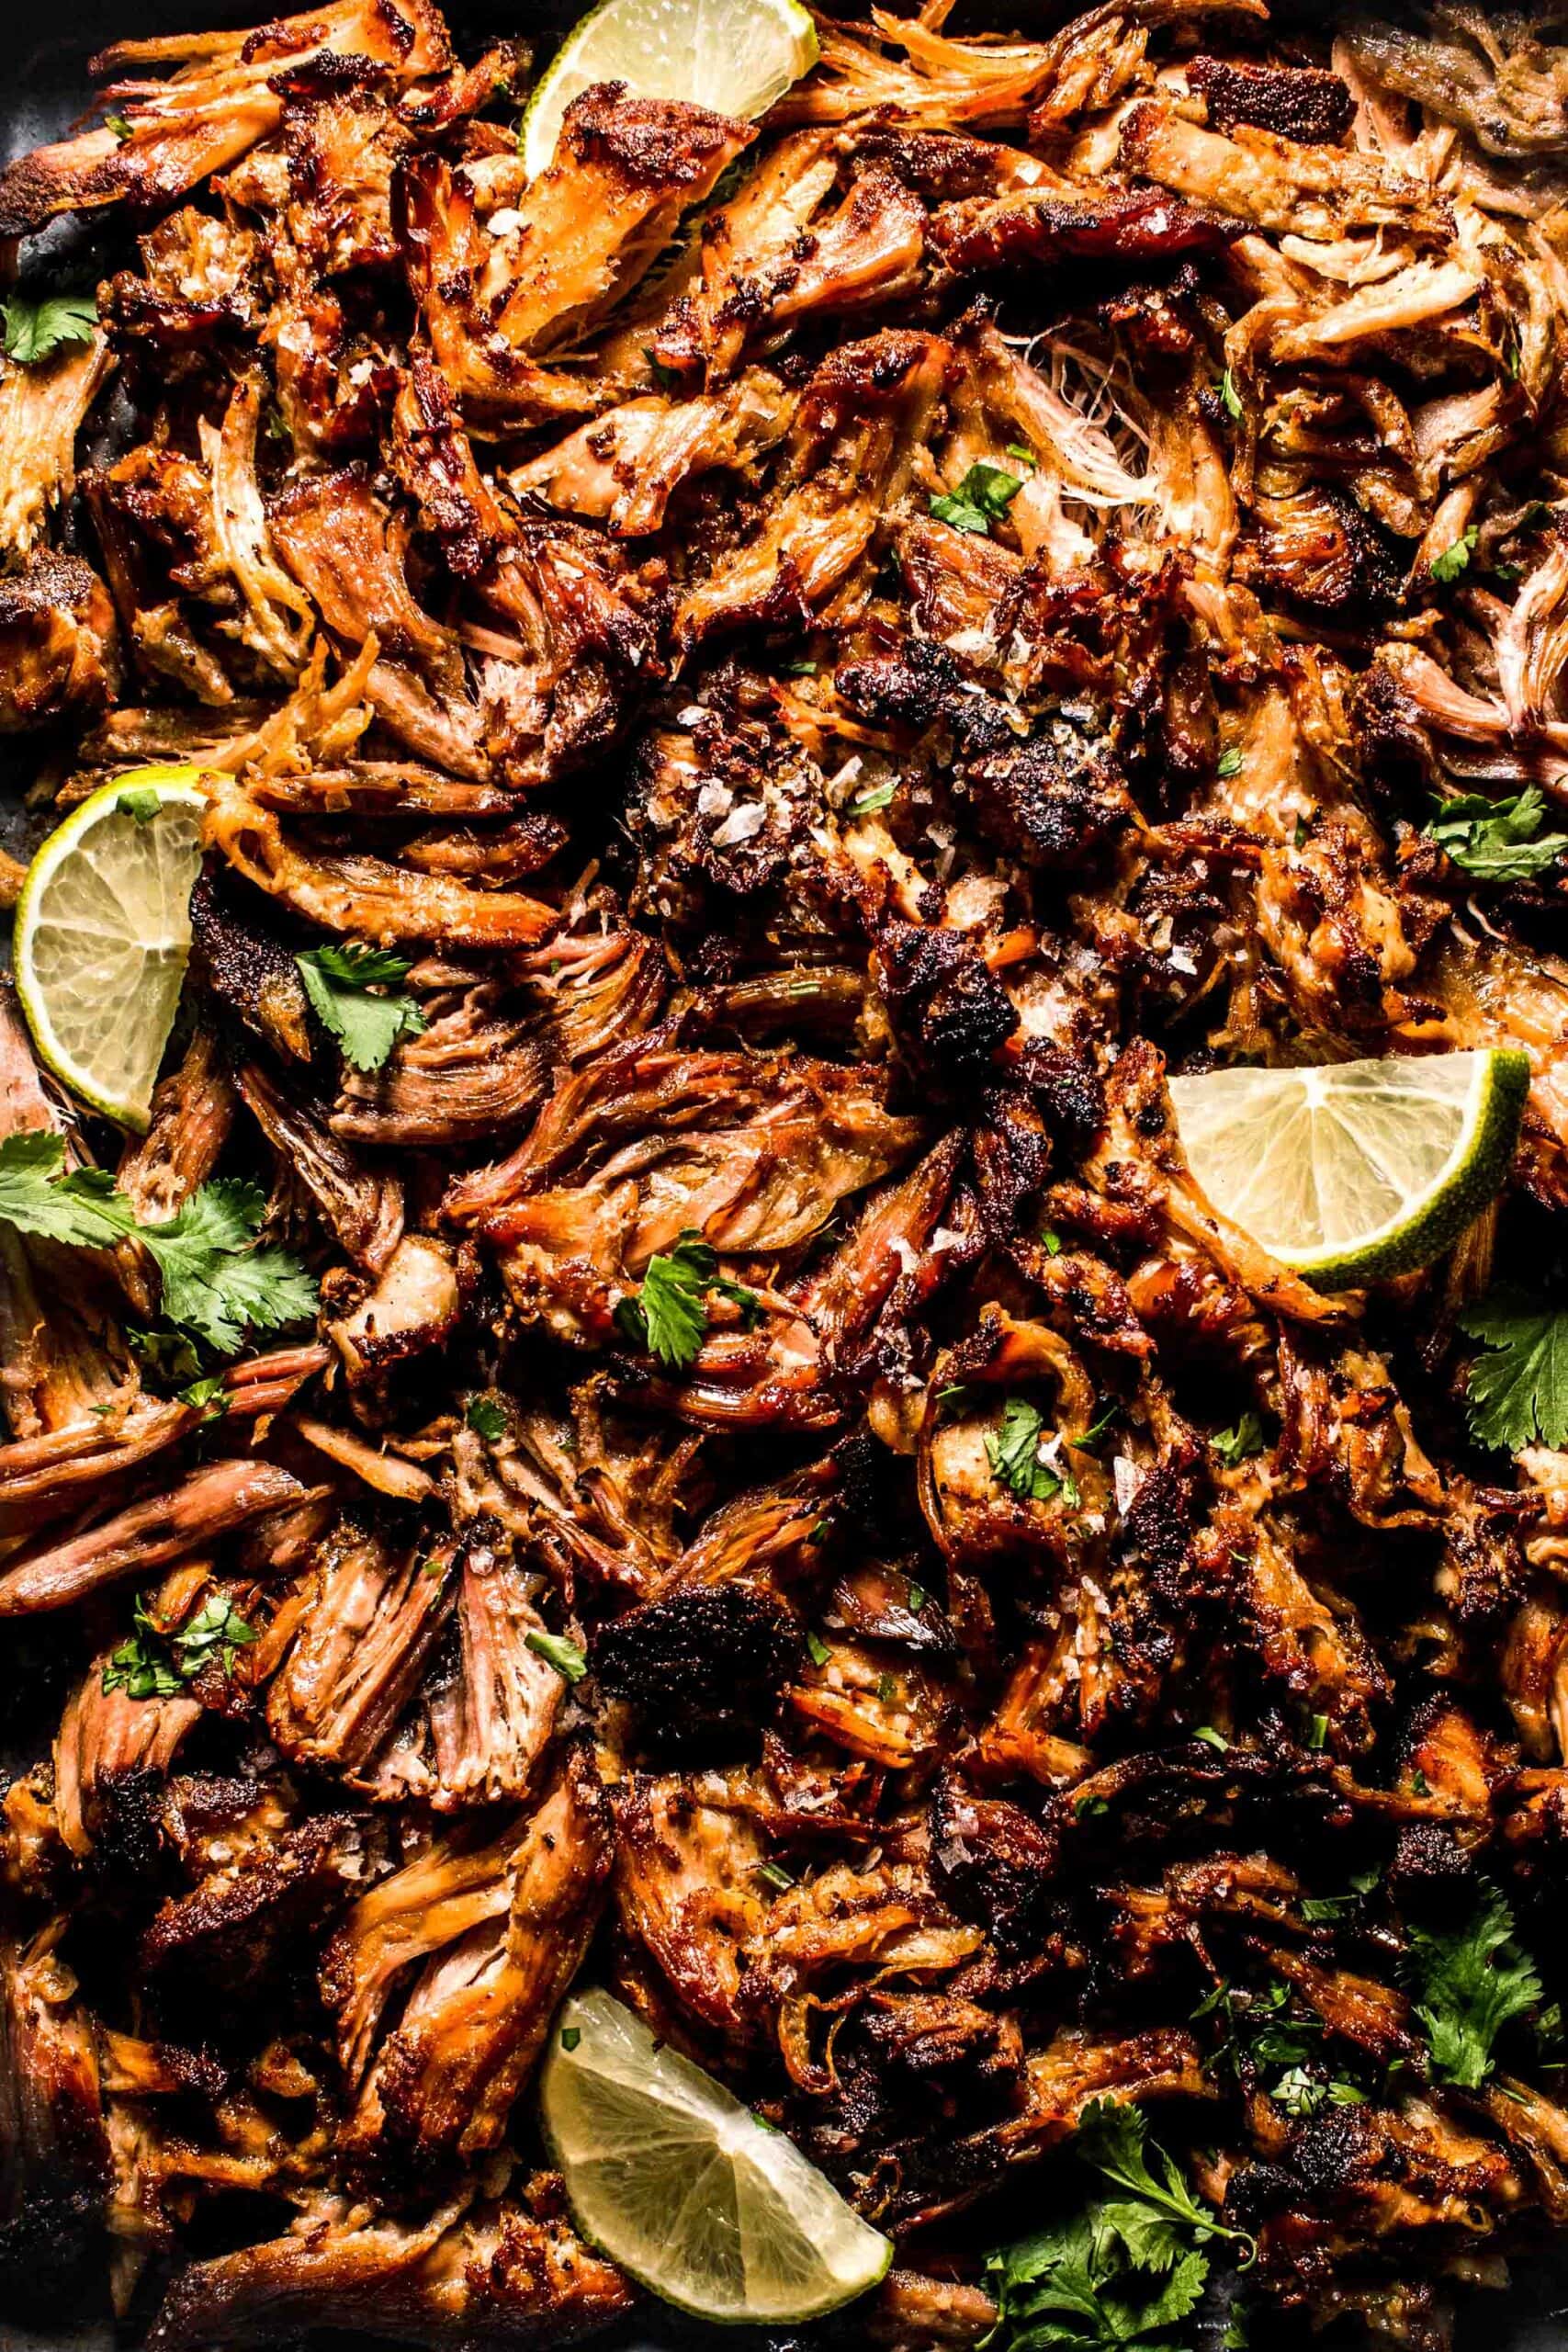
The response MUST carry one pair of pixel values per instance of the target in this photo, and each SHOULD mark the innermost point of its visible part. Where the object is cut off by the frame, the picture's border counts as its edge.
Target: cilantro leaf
(1517, 1390)
(1473, 1979)
(34, 330)
(340, 982)
(36, 1196)
(1237, 1445)
(981, 499)
(1230, 399)
(486, 1418)
(669, 1316)
(141, 1667)
(1013, 1453)
(209, 1397)
(1455, 557)
(215, 1281)
(1497, 840)
(564, 1655)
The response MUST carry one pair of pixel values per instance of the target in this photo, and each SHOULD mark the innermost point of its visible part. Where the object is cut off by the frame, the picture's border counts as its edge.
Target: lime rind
(737, 59)
(102, 938)
(1356, 1172)
(710, 2208)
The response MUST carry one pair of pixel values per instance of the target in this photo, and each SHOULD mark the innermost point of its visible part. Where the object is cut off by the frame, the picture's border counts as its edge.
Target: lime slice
(735, 56)
(103, 932)
(1355, 1170)
(687, 2189)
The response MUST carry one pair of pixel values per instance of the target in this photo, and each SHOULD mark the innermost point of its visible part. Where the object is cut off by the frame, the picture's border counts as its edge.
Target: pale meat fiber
(660, 1410)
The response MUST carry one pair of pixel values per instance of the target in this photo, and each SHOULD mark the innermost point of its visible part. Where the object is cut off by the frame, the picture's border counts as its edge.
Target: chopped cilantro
(486, 1418)
(1230, 399)
(669, 1314)
(981, 499)
(1237, 1445)
(1455, 557)
(1013, 1453)
(564, 1655)
(151, 1665)
(209, 1397)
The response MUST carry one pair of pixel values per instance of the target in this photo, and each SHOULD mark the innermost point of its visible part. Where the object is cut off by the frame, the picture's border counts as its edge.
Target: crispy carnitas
(658, 1404)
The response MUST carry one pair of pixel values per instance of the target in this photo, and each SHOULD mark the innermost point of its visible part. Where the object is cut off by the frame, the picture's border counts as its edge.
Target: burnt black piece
(1049, 803)
(699, 1659)
(951, 1010)
(993, 1862)
(1298, 102)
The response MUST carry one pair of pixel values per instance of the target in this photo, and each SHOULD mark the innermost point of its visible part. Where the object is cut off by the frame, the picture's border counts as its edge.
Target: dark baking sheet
(44, 84)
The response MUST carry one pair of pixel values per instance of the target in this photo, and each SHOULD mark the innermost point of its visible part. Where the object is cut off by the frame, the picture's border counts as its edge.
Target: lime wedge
(1355, 1170)
(687, 2189)
(735, 56)
(103, 932)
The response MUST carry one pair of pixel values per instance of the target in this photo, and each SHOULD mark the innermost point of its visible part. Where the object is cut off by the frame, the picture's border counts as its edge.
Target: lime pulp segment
(687, 2189)
(1353, 1170)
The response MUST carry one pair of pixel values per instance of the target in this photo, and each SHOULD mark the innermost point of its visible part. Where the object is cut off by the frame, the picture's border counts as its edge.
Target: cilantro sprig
(343, 982)
(1472, 1980)
(216, 1281)
(1497, 840)
(1516, 1392)
(35, 331)
(1123, 2270)
(669, 1316)
(981, 499)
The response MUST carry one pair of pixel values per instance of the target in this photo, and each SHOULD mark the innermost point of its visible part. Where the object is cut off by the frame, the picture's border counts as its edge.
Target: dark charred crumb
(712, 1655)
(1297, 101)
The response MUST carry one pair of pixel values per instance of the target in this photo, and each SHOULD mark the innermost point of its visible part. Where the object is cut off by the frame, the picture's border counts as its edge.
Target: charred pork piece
(1297, 101)
(500, 1932)
(708, 1657)
(206, 115)
(497, 2273)
(1130, 229)
(42, 411)
(58, 643)
(54, 2153)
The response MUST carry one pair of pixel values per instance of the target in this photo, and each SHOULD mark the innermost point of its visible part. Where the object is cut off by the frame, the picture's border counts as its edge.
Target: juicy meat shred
(756, 696)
